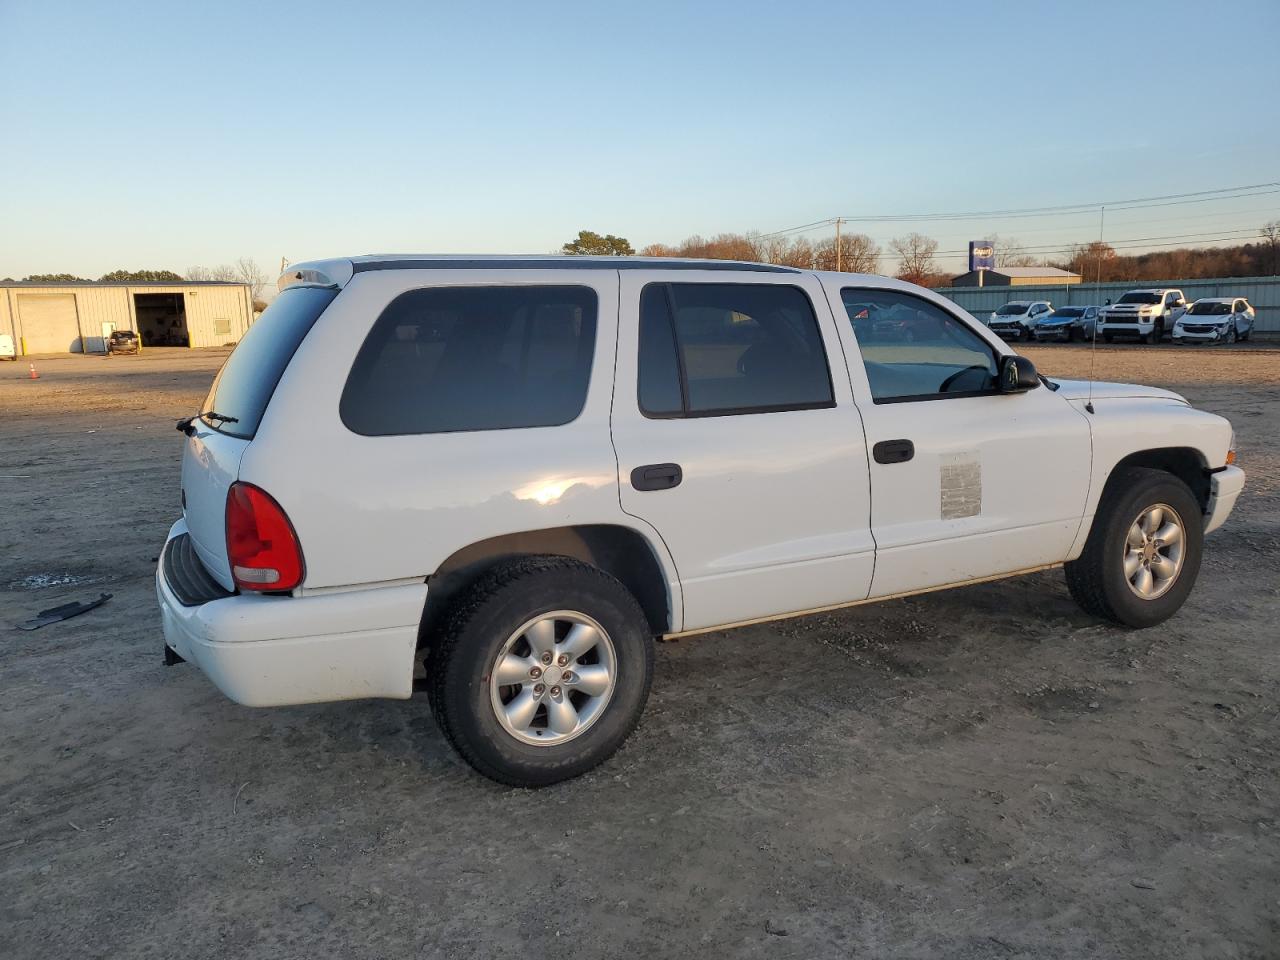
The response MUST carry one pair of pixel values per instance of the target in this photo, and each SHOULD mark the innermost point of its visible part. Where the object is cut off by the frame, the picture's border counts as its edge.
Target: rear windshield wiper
(185, 423)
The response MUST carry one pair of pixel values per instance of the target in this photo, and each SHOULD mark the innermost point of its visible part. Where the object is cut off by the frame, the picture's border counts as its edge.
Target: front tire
(542, 671)
(1143, 553)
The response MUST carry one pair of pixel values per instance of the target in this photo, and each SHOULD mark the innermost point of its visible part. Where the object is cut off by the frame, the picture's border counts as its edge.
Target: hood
(1079, 390)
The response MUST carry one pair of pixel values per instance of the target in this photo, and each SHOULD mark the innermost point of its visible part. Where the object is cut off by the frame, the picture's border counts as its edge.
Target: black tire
(1157, 334)
(1232, 336)
(1096, 579)
(1023, 334)
(474, 632)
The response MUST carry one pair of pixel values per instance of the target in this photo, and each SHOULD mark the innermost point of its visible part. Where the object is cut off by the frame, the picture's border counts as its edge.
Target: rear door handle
(657, 476)
(893, 451)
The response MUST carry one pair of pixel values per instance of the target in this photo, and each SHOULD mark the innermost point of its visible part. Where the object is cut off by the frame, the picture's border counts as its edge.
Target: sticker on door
(961, 485)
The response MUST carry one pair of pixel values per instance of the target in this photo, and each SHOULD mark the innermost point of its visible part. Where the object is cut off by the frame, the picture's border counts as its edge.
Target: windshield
(247, 380)
(1204, 308)
(1012, 309)
(1140, 296)
(1066, 313)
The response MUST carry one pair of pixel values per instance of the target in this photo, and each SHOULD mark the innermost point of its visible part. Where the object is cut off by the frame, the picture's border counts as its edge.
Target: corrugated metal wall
(1262, 292)
(206, 304)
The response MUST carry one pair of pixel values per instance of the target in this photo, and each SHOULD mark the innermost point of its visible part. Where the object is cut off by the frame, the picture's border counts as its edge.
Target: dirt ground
(981, 773)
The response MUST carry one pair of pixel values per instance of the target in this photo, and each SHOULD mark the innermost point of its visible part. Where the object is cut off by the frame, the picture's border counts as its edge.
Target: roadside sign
(982, 255)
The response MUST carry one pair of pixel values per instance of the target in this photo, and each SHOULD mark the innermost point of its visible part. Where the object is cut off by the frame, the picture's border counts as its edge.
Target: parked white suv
(1018, 319)
(1215, 320)
(507, 475)
(1145, 314)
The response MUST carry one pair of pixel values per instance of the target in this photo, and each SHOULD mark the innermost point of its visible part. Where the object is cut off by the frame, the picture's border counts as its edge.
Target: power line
(1133, 203)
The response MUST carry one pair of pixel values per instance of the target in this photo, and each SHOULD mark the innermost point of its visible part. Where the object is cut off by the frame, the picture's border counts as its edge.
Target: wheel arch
(622, 552)
(1188, 464)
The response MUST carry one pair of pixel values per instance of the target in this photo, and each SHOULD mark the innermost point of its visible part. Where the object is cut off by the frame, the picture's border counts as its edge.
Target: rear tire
(502, 620)
(1102, 579)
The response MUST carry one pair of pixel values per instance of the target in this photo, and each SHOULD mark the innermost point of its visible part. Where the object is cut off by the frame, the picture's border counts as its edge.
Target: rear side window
(713, 349)
(446, 359)
(244, 385)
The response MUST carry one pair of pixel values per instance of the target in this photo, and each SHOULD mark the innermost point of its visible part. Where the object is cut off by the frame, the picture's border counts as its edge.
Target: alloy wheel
(553, 678)
(1153, 551)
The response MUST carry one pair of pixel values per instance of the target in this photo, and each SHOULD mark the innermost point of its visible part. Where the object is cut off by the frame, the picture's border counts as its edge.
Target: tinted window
(246, 381)
(913, 349)
(660, 382)
(473, 358)
(732, 348)
(1140, 297)
(1063, 312)
(1012, 310)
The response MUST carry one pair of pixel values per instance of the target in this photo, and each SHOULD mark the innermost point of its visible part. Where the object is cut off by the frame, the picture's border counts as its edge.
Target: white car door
(737, 444)
(966, 482)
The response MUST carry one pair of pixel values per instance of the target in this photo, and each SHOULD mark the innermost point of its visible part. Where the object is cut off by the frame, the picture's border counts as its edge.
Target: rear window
(447, 359)
(716, 349)
(246, 381)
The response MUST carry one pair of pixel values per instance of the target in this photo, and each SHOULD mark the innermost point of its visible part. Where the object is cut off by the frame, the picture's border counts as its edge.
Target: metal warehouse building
(78, 317)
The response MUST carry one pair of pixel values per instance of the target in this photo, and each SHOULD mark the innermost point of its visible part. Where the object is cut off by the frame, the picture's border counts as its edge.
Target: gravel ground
(981, 773)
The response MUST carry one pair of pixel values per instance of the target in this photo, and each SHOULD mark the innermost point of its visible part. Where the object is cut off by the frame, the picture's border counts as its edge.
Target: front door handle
(657, 476)
(893, 451)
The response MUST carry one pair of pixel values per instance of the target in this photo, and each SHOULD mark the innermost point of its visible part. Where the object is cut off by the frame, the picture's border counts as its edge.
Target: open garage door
(49, 323)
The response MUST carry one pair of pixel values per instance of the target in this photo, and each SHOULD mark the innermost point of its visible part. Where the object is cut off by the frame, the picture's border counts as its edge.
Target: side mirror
(1018, 375)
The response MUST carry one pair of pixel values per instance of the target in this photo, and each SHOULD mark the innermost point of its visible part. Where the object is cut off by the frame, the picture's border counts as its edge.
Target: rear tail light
(262, 548)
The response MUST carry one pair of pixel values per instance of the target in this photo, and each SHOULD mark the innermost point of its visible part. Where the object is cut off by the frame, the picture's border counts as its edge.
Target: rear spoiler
(317, 273)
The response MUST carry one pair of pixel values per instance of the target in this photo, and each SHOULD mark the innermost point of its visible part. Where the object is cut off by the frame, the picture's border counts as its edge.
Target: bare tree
(247, 271)
(858, 254)
(222, 272)
(1011, 253)
(1271, 234)
(915, 253)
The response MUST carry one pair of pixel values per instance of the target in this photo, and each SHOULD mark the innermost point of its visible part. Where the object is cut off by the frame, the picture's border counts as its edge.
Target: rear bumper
(1224, 490)
(274, 651)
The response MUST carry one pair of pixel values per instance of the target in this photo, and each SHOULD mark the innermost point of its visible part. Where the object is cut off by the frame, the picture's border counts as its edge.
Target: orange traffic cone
(33, 375)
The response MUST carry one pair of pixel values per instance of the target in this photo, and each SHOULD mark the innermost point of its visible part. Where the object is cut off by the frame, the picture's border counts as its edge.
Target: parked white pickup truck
(1144, 314)
(507, 475)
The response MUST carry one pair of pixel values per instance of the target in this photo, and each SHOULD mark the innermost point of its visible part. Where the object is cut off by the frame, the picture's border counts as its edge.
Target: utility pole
(839, 249)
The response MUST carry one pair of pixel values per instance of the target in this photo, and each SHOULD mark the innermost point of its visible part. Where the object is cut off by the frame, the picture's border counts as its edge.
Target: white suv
(1018, 319)
(504, 477)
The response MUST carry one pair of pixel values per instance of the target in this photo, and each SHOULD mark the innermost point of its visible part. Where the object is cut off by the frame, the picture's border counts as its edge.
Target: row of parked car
(1146, 315)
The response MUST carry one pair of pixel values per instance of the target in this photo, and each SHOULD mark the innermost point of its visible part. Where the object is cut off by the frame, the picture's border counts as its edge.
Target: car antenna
(1093, 347)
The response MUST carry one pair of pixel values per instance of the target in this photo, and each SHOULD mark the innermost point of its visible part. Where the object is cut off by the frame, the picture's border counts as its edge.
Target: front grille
(1198, 328)
(187, 577)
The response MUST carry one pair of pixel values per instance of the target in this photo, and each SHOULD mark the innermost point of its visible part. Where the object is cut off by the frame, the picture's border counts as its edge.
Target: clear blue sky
(166, 135)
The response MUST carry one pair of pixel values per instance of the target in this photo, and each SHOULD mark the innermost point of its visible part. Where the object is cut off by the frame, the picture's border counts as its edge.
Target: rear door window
(716, 349)
(448, 359)
(244, 385)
